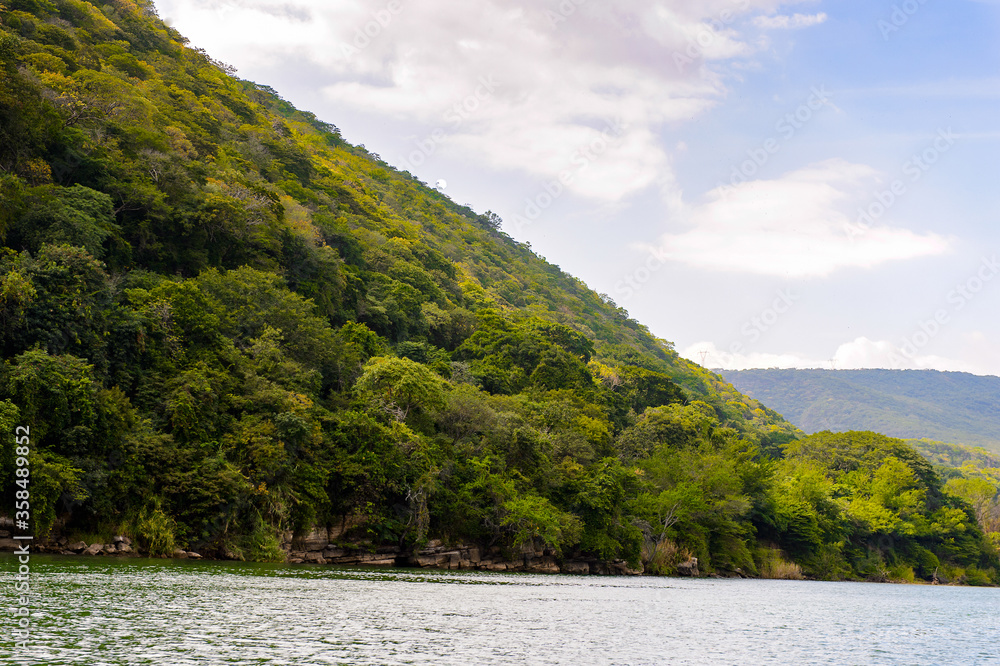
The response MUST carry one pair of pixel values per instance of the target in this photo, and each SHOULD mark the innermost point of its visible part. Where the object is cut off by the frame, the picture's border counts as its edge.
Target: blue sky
(705, 164)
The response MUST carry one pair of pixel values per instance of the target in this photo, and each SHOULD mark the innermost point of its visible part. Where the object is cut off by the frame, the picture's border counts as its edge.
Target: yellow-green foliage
(773, 565)
(154, 530)
(901, 573)
(662, 558)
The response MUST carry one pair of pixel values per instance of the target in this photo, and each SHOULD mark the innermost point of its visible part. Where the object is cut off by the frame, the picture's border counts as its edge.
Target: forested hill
(223, 323)
(945, 406)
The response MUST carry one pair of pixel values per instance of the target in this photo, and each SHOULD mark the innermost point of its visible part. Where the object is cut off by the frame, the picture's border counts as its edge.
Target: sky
(763, 183)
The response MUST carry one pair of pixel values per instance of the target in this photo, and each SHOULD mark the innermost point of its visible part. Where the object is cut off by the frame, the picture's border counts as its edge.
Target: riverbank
(332, 546)
(324, 547)
(435, 555)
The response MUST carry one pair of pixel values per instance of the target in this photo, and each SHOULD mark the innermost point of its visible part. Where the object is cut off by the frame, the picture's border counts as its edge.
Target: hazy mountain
(945, 406)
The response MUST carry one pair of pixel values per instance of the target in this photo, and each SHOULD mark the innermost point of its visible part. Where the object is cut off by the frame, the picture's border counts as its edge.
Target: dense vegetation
(945, 406)
(222, 322)
(971, 473)
(947, 457)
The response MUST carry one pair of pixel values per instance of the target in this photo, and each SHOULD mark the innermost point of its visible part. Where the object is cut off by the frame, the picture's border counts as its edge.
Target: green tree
(399, 386)
(533, 519)
(75, 215)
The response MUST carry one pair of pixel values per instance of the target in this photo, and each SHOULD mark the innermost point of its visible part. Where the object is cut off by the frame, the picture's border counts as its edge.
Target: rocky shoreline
(318, 548)
(328, 547)
(436, 555)
(433, 556)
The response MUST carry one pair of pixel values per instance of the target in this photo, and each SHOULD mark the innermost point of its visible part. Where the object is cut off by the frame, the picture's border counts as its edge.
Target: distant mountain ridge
(954, 407)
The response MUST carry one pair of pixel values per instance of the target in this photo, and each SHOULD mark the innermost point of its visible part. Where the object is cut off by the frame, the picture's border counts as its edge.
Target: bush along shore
(315, 548)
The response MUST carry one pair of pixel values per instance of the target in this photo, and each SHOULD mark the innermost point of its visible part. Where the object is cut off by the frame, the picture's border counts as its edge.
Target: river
(98, 611)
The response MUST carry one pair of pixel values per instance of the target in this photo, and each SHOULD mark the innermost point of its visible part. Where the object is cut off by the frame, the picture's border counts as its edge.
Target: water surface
(179, 613)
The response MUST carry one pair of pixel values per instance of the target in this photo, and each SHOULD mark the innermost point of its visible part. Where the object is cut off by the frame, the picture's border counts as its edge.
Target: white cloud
(565, 70)
(710, 356)
(785, 22)
(801, 225)
(858, 354)
(865, 353)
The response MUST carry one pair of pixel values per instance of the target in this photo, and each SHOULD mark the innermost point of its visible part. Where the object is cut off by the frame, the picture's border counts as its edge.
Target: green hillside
(945, 406)
(222, 322)
(955, 456)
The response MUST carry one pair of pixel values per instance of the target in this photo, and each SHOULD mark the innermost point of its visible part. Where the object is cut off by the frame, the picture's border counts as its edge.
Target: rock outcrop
(332, 547)
(689, 568)
(94, 549)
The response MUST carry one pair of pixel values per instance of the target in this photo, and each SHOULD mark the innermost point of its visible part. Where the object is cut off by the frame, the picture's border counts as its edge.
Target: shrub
(262, 544)
(975, 576)
(662, 558)
(154, 530)
(773, 566)
(901, 574)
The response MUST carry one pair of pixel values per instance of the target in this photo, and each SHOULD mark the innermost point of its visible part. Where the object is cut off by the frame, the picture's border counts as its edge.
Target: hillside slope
(945, 406)
(222, 323)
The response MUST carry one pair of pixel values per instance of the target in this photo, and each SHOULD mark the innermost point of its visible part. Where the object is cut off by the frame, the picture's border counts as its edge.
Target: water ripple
(131, 612)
